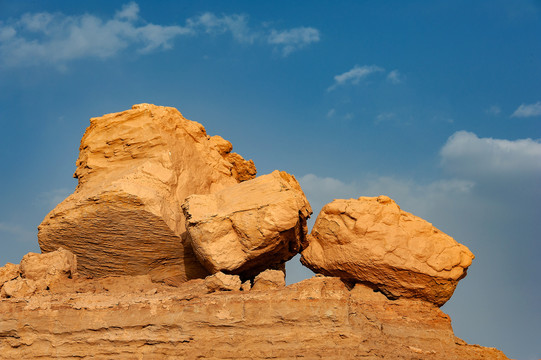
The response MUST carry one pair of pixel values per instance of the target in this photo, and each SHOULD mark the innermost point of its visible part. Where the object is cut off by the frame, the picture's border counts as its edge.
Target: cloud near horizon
(55, 38)
(480, 168)
(529, 110)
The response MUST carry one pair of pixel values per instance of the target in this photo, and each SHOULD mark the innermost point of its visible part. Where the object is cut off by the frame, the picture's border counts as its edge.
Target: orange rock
(247, 228)
(135, 169)
(9, 272)
(269, 279)
(371, 240)
(318, 318)
(222, 282)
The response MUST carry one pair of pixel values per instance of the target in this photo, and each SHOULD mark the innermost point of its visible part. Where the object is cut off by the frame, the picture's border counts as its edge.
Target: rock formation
(269, 279)
(129, 317)
(118, 278)
(36, 273)
(135, 169)
(249, 227)
(371, 240)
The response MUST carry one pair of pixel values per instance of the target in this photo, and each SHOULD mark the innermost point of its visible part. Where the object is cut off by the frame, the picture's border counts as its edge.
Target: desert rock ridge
(118, 276)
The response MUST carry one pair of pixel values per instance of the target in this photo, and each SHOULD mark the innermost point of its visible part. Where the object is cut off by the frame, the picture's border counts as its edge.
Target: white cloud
(129, 11)
(493, 110)
(490, 169)
(395, 77)
(354, 76)
(493, 161)
(55, 39)
(528, 110)
(237, 25)
(293, 39)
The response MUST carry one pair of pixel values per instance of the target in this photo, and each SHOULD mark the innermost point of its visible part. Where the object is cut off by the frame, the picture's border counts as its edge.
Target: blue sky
(436, 104)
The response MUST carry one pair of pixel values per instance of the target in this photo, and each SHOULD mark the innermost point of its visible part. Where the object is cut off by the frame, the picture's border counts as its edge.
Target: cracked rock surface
(135, 168)
(249, 227)
(372, 240)
(318, 318)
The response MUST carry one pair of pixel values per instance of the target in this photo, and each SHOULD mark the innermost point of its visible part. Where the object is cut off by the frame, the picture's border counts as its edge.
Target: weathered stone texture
(318, 318)
(249, 227)
(371, 240)
(135, 169)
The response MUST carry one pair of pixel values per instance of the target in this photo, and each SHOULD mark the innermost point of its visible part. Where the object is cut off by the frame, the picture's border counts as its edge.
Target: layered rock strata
(372, 240)
(135, 169)
(249, 227)
(318, 318)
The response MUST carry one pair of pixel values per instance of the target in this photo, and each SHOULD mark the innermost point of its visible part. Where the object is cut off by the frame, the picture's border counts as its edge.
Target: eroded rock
(37, 272)
(51, 266)
(222, 282)
(249, 227)
(135, 169)
(9, 272)
(371, 240)
(269, 279)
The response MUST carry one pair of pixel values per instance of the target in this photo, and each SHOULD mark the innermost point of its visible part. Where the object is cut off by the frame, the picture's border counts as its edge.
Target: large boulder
(371, 240)
(247, 228)
(135, 169)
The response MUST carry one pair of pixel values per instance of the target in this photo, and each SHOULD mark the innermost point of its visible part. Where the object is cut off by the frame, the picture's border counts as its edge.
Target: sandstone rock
(371, 240)
(222, 282)
(9, 272)
(20, 288)
(135, 169)
(247, 228)
(246, 286)
(53, 266)
(269, 279)
(318, 318)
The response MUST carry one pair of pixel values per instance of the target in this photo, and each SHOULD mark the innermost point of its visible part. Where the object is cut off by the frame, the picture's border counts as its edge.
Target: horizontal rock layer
(319, 318)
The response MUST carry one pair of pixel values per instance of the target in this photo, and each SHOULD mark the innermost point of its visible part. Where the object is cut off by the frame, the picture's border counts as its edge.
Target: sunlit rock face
(135, 169)
(249, 227)
(372, 240)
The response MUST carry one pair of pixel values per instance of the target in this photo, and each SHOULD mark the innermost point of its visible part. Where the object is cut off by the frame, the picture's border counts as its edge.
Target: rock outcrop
(135, 169)
(269, 279)
(318, 318)
(176, 251)
(249, 227)
(371, 240)
(36, 273)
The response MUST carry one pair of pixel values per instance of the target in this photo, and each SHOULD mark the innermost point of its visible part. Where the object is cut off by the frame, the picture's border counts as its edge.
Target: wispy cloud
(56, 39)
(493, 110)
(386, 116)
(395, 77)
(354, 76)
(236, 25)
(528, 110)
(293, 39)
